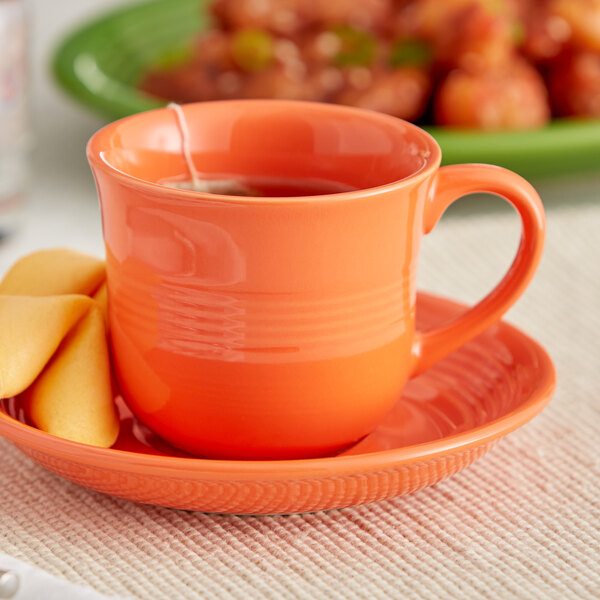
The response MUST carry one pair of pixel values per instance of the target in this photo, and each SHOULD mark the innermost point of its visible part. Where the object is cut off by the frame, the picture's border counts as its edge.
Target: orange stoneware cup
(269, 327)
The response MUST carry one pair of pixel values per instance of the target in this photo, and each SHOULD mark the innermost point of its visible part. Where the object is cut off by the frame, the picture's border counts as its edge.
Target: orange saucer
(446, 418)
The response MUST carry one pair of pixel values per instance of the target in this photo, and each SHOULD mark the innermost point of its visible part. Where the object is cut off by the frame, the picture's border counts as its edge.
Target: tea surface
(274, 187)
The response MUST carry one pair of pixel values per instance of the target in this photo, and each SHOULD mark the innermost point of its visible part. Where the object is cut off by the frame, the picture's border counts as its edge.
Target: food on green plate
(575, 85)
(484, 64)
(511, 98)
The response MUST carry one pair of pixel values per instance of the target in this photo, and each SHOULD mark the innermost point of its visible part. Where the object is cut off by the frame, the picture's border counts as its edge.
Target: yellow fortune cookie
(101, 298)
(53, 346)
(53, 272)
(72, 398)
(31, 329)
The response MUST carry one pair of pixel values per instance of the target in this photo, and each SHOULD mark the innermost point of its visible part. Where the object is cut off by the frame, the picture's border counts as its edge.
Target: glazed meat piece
(370, 15)
(428, 18)
(431, 19)
(514, 98)
(477, 37)
(279, 82)
(575, 85)
(545, 34)
(212, 51)
(402, 92)
(583, 20)
(184, 84)
(281, 17)
(401, 89)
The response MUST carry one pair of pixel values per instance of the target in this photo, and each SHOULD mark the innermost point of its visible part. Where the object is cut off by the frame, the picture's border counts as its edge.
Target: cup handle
(453, 182)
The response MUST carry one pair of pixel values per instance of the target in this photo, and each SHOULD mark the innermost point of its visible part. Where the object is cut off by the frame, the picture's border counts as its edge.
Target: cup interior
(297, 140)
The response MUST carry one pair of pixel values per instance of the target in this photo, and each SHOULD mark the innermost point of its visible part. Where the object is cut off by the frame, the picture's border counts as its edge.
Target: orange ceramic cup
(263, 327)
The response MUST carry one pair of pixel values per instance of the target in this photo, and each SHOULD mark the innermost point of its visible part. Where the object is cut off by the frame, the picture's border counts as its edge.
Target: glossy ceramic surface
(100, 64)
(446, 418)
(257, 327)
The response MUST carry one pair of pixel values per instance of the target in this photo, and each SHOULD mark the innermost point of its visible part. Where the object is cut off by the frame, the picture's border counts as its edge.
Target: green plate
(101, 63)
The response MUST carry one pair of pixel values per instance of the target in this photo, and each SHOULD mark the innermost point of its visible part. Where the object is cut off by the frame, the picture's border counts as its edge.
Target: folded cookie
(53, 347)
(54, 272)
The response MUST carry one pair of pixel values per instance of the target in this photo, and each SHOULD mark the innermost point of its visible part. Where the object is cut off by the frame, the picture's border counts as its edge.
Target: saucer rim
(135, 462)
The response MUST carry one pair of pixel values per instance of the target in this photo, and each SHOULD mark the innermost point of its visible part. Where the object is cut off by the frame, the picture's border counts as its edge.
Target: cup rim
(98, 142)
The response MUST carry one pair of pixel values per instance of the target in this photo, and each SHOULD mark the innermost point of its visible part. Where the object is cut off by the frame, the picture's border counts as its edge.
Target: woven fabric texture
(522, 522)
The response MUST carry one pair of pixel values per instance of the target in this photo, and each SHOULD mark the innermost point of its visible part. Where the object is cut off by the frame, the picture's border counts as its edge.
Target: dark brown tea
(273, 187)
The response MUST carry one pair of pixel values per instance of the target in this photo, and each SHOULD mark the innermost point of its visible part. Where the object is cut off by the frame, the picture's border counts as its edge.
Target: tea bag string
(184, 130)
(212, 186)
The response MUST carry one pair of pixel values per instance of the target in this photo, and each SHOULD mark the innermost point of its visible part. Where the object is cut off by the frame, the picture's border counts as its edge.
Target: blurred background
(61, 206)
(94, 46)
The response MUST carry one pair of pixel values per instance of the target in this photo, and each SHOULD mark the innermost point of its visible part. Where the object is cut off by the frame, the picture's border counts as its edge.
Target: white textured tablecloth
(522, 522)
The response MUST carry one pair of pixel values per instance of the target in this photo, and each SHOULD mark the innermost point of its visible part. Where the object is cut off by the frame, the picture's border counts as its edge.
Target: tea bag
(229, 187)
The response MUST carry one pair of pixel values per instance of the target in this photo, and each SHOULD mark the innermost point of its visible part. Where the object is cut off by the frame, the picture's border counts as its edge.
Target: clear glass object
(14, 139)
